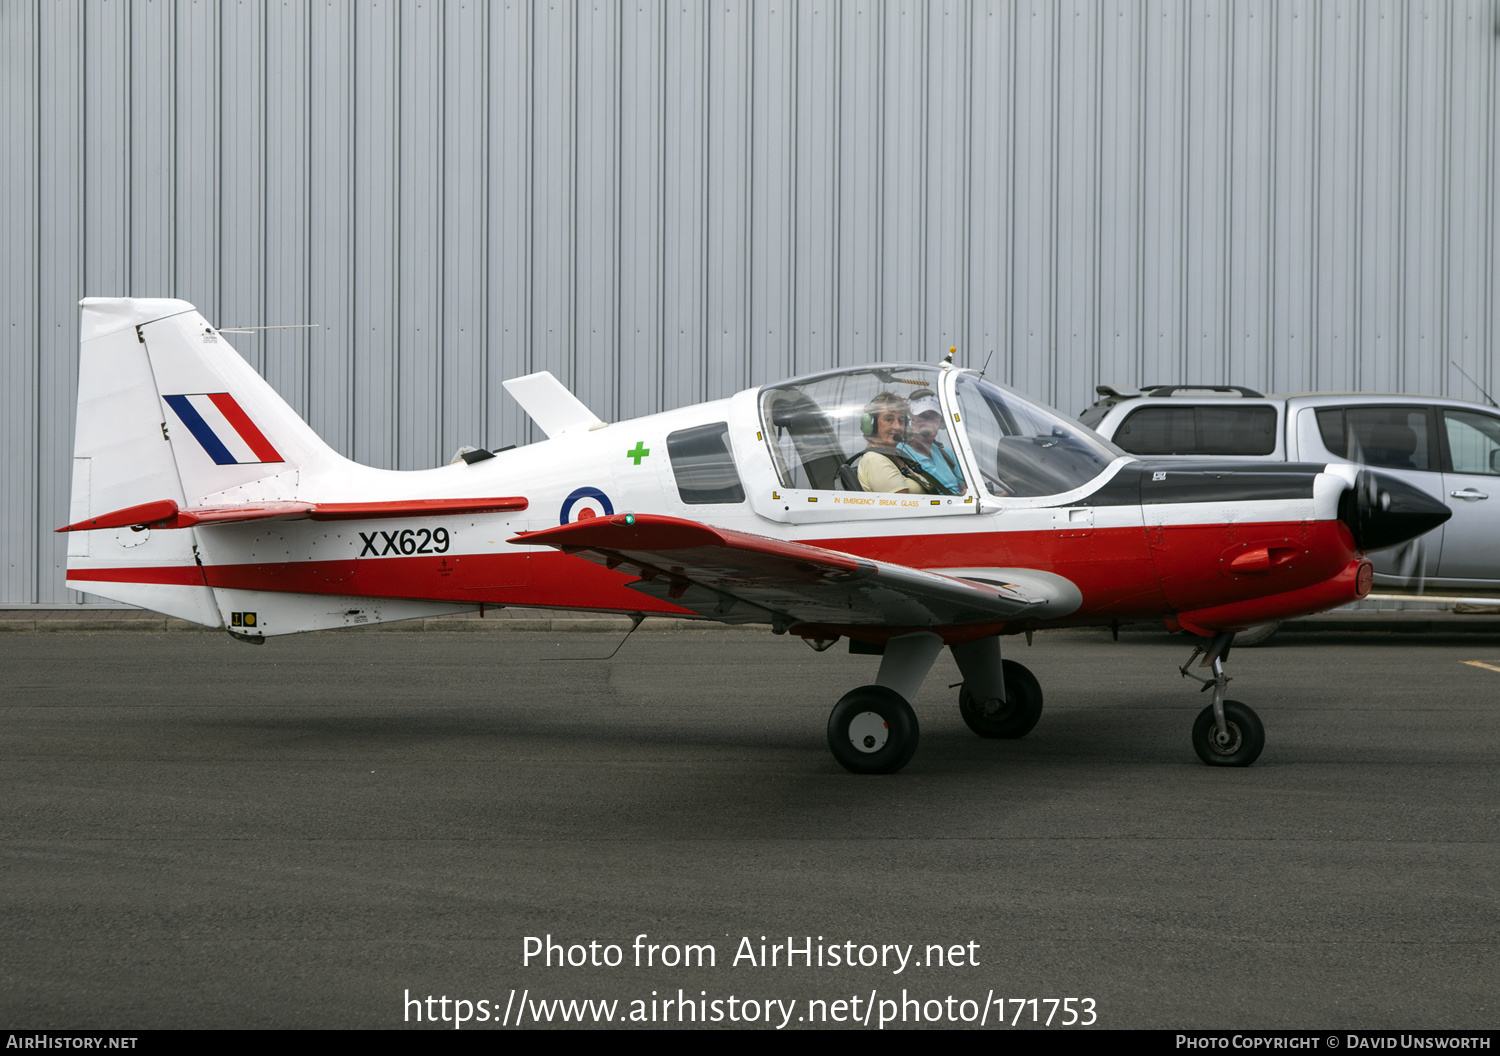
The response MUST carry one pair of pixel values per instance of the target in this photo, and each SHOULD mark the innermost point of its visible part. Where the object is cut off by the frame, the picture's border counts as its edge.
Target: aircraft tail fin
(167, 410)
(226, 425)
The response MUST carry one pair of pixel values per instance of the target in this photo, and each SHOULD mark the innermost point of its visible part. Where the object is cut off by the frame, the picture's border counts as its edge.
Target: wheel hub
(1226, 744)
(868, 732)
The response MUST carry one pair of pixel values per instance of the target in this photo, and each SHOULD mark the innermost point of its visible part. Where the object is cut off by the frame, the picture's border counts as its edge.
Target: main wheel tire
(1017, 716)
(1246, 736)
(872, 730)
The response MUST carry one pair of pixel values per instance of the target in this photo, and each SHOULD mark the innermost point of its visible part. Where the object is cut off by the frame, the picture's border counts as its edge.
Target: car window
(1473, 442)
(1210, 429)
(703, 466)
(1388, 437)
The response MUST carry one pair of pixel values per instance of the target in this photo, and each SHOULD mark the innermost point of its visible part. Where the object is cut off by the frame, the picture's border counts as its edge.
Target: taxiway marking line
(1480, 663)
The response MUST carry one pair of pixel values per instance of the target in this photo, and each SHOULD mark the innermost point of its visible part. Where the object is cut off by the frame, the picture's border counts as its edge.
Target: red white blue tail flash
(223, 428)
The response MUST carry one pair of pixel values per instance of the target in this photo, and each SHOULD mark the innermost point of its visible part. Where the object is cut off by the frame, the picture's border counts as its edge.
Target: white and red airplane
(198, 492)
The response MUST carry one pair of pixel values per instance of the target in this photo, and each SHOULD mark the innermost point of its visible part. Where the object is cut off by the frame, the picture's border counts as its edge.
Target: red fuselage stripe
(166, 575)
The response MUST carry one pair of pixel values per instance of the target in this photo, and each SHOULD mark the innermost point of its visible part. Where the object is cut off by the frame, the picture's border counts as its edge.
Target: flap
(736, 577)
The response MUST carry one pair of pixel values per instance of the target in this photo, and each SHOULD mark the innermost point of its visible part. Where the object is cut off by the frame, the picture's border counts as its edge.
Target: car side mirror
(1495, 460)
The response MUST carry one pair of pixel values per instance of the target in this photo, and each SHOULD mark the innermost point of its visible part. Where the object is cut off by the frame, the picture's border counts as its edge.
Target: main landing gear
(873, 730)
(1010, 716)
(1226, 733)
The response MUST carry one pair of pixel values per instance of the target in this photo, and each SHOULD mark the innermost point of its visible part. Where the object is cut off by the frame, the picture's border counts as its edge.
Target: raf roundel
(585, 503)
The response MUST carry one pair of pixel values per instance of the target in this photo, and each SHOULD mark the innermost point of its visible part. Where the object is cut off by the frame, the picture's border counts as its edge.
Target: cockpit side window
(806, 443)
(703, 465)
(878, 429)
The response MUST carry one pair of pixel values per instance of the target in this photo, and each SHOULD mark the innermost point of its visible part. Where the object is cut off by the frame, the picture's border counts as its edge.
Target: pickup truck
(1448, 448)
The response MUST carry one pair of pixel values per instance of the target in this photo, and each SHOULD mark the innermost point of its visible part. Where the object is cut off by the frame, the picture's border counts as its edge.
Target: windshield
(879, 429)
(1024, 449)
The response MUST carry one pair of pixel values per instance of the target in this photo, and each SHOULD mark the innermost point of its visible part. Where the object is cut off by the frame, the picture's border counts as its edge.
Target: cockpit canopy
(819, 428)
(821, 425)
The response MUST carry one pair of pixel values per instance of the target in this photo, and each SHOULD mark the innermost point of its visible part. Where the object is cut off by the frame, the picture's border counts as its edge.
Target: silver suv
(1448, 448)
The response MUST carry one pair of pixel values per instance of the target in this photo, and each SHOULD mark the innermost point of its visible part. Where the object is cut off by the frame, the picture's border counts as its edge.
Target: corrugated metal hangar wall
(666, 203)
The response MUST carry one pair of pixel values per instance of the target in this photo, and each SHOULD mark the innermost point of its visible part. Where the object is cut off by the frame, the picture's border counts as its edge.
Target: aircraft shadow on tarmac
(1294, 640)
(1139, 731)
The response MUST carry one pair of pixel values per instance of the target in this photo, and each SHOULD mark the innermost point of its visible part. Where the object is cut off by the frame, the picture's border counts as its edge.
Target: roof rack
(1168, 390)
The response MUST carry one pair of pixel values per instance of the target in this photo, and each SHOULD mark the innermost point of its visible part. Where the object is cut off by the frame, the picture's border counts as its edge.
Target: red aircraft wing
(736, 577)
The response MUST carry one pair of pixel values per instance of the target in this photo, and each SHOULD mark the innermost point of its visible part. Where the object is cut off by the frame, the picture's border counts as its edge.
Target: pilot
(923, 446)
(881, 466)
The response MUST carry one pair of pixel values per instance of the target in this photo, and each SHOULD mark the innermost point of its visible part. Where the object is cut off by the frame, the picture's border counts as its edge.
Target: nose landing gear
(1227, 732)
(1238, 745)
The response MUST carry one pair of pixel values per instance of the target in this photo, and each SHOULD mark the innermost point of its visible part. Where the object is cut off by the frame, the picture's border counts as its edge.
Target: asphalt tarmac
(320, 831)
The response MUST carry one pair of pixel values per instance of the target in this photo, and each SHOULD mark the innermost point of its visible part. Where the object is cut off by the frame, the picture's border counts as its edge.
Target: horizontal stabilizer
(165, 513)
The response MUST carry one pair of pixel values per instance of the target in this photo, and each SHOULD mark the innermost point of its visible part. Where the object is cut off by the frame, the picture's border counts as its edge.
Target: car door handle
(1469, 495)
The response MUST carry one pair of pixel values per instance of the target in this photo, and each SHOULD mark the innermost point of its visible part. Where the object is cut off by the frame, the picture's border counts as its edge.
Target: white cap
(926, 405)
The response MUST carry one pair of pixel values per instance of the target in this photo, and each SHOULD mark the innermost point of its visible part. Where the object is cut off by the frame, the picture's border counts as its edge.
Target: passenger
(881, 466)
(923, 446)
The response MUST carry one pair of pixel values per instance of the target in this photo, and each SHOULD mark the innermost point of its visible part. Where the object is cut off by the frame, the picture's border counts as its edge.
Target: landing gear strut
(872, 729)
(1011, 717)
(1226, 733)
(998, 698)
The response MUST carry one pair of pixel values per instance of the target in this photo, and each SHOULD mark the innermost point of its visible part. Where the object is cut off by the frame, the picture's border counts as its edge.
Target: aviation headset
(879, 402)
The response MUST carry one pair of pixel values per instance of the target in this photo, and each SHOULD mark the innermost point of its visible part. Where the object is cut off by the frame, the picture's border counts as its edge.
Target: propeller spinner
(1382, 511)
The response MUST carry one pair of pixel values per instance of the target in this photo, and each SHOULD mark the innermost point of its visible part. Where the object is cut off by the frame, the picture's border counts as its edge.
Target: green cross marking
(640, 452)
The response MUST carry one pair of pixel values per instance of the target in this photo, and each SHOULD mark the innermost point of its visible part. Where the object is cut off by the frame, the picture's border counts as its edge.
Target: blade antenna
(253, 329)
(636, 619)
(1487, 397)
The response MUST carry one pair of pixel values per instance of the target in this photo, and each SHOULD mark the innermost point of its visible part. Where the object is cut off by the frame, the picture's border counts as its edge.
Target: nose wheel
(1226, 733)
(1240, 742)
(872, 730)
